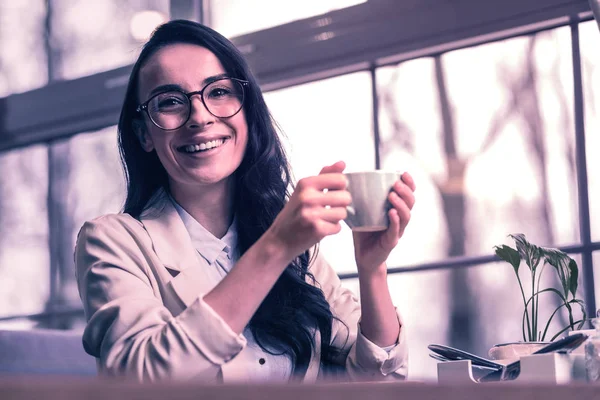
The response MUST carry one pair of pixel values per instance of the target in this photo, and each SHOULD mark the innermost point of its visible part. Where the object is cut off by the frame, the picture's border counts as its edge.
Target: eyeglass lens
(222, 98)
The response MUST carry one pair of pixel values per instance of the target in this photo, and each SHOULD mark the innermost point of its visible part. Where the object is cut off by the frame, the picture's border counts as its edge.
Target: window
(22, 55)
(88, 182)
(589, 39)
(480, 112)
(324, 122)
(488, 133)
(24, 250)
(95, 36)
(238, 17)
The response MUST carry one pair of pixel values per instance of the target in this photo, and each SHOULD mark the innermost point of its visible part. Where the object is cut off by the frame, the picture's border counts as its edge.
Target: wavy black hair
(285, 321)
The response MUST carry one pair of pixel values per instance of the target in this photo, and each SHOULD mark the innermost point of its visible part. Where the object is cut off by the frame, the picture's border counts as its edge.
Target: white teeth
(192, 148)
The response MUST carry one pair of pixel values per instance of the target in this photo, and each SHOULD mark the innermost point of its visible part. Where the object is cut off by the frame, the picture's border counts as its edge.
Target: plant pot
(508, 352)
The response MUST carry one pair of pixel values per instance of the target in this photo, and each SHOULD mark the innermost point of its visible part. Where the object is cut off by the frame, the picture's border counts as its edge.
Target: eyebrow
(171, 86)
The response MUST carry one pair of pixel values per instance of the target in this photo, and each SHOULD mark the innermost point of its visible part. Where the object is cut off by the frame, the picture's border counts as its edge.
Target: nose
(199, 115)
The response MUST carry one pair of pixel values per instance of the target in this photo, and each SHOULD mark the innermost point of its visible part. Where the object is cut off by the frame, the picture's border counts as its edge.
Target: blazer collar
(207, 244)
(170, 238)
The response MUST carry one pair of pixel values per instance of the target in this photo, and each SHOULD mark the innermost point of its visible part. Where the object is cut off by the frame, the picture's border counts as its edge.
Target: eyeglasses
(171, 110)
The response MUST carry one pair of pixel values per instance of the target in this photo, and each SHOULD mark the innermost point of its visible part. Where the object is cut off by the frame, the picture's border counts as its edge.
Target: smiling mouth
(199, 148)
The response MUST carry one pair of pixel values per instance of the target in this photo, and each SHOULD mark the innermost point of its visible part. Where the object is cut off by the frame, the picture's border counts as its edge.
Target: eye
(169, 102)
(220, 92)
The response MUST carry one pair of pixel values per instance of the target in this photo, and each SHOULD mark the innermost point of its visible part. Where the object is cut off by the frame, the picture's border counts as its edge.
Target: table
(30, 387)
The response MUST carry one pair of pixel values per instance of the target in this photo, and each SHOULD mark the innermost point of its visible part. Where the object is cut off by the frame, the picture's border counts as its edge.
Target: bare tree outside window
(22, 55)
(24, 277)
(83, 38)
(589, 39)
(24, 256)
(238, 17)
(323, 122)
(500, 156)
(95, 36)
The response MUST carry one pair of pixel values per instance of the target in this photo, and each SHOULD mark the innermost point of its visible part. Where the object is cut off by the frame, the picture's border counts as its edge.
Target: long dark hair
(285, 321)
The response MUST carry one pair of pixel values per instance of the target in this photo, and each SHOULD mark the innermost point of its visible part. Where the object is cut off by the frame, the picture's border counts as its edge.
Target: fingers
(323, 221)
(405, 190)
(329, 228)
(408, 180)
(331, 198)
(394, 228)
(402, 199)
(337, 167)
(333, 214)
(401, 208)
(329, 181)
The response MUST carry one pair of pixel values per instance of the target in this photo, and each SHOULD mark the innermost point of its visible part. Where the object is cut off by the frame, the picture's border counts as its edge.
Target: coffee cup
(369, 190)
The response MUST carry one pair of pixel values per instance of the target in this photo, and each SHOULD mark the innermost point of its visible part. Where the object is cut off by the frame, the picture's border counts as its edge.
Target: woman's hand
(371, 249)
(314, 211)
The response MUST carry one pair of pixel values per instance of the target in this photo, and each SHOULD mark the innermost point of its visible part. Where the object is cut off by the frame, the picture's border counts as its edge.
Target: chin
(210, 178)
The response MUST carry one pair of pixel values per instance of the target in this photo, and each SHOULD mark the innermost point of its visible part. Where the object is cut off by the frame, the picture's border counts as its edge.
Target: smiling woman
(171, 80)
(211, 272)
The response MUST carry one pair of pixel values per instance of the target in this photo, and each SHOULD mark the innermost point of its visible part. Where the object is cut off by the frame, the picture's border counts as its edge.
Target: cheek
(241, 127)
(242, 144)
(161, 146)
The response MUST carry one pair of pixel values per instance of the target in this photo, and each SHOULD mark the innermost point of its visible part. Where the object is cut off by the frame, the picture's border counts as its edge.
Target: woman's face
(189, 68)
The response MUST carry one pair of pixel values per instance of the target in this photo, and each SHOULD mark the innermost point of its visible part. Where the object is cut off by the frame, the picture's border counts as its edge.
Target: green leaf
(509, 255)
(567, 273)
(528, 252)
(582, 306)
(574, 276)
(566, 269)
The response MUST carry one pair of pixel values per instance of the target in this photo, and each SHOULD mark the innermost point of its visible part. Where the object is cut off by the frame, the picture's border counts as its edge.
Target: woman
(210, 272)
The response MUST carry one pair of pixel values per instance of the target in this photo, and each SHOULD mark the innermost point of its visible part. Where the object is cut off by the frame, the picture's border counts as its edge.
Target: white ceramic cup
(369, 190)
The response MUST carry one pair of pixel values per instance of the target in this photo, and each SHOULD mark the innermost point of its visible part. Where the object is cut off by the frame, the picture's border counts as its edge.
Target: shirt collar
(207, 244)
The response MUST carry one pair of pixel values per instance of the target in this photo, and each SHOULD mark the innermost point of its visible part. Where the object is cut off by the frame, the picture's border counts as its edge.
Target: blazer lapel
(173, 246)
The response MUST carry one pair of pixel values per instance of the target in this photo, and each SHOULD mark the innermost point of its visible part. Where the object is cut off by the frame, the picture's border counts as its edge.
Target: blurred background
(491, 109)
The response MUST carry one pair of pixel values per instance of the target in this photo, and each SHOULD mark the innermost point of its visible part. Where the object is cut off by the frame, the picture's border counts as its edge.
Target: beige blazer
(142, 293)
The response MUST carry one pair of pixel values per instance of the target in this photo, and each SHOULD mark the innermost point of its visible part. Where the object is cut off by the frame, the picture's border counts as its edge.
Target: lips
(203, 145)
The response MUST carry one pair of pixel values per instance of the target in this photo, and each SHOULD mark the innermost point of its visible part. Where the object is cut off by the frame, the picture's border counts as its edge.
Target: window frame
(359, 38)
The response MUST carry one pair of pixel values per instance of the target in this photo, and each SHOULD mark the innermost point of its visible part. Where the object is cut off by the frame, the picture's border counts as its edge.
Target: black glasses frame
(144, 106)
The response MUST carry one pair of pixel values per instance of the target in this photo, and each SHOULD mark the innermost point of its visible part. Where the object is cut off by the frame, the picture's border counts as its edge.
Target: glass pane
(488, 134)
(316, 133)
(417, 294)
(91, 184)
(589, 41)
(24, 256)
(238, 17)
(95, 36)
(596, 264)
(22, 54)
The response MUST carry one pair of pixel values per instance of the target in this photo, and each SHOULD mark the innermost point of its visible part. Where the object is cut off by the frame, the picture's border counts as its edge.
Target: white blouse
(255, 365)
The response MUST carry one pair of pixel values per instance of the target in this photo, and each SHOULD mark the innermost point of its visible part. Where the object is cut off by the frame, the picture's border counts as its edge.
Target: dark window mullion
(376, 137)
(53, 233)
(471, 261)
(582, 180)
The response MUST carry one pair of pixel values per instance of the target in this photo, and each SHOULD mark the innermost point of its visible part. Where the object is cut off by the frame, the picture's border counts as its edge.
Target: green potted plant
(538, 260)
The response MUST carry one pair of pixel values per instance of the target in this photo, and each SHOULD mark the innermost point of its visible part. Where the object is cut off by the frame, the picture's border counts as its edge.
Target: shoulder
(113, 239)
(114, 221)
(110, 224)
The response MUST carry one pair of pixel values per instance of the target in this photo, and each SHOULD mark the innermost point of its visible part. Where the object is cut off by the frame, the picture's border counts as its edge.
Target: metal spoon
(511, 371)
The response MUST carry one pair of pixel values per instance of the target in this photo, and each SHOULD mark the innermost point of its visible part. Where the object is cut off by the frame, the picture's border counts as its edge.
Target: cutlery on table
(447, 353)
(511, 371)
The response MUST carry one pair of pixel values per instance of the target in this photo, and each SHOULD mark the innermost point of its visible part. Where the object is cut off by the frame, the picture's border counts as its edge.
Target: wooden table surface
(37, 388)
